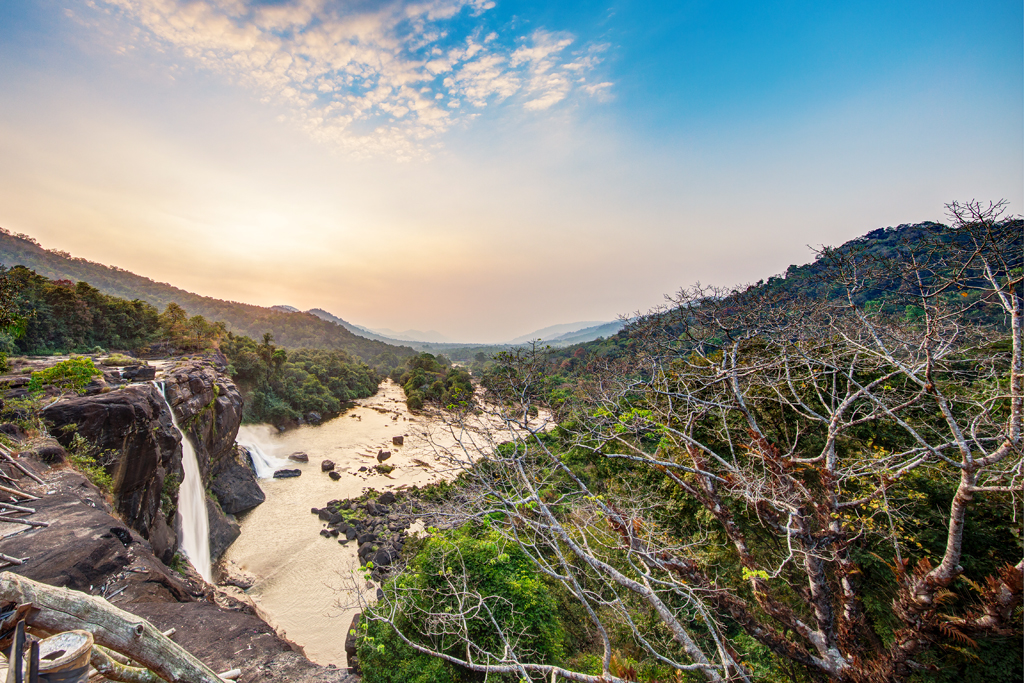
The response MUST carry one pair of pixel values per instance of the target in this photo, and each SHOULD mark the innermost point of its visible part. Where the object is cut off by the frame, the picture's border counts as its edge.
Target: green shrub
(120, 360)
(82, 459)
(72, 374)
(521, 602)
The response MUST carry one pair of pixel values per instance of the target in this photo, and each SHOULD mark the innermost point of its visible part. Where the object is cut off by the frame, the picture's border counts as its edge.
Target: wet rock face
(236, 487)
(223, 530)
(209, 409)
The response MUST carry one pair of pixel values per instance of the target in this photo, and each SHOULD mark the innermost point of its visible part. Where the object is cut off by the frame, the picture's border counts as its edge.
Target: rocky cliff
(130, 432)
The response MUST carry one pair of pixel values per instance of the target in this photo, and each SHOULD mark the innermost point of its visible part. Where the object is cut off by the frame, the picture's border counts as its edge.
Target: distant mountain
(587, 334)
(352, 327)
(431, 336)
(555, 331)
(290, 328)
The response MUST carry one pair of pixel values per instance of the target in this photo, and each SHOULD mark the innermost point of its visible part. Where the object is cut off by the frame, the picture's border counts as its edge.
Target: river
(302, 578)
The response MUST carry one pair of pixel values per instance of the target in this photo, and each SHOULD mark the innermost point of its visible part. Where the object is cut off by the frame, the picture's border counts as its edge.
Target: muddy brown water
(305, 581)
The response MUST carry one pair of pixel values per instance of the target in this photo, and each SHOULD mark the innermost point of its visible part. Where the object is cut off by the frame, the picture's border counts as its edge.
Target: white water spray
(265, 465)
(195, 522)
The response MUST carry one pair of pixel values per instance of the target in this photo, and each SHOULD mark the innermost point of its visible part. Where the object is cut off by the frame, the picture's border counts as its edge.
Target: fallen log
(18, 492)
(10, 560)
(61, 609)
(114, 670)
(29, 473)
(15, 520)
(19, 508)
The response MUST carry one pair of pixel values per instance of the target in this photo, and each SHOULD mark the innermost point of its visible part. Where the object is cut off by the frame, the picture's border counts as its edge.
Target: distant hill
(556, 331)
(587, 334)
(290, 328)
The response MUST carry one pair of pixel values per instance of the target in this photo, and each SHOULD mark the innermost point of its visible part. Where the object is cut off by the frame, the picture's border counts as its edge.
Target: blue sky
(484, 168)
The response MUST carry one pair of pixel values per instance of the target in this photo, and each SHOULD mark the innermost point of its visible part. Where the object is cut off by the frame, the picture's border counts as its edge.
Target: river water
(304, 580)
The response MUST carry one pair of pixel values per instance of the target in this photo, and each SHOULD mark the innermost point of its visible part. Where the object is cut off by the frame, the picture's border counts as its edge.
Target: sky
(484, 168)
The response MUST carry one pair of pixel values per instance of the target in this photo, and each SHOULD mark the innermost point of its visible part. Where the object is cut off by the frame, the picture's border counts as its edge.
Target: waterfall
(195, 522)
(263, 464)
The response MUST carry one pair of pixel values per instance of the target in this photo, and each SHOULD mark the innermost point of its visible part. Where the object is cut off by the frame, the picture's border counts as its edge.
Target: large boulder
(236, 488)
(223, 530)
(130, 432)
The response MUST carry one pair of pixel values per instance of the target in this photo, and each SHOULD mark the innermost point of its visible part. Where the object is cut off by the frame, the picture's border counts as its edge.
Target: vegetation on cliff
(805, 483)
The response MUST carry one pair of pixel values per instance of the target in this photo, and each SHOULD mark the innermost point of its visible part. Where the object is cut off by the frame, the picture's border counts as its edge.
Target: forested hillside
(814, 478)
(292, 330)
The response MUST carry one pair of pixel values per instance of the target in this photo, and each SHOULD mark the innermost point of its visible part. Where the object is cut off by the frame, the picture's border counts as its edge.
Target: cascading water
(195, 521)
(265, 465)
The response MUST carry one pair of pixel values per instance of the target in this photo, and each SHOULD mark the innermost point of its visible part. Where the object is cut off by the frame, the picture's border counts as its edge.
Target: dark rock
(365, 548)
(313, 417)
(386, 498)
(223, 530)
(324, 514)
(325, 533)
(343, 541)
(351, 636)
(163, 539)
(334, 533)
(139, 373)
(363, 468)
(314, 511)
(299, 456)
(237, 489)
(287, 474)
(49, 452)
(134, 424)
(123, 535)
(334, 475)
(12, 430)
(398, 440)
(384, 557)
(335, 518)
(383, 455)
(327, 466)
(366, 538)
(351, 534)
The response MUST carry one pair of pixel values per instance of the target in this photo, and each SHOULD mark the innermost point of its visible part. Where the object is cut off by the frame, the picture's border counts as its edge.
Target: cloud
(385, 80)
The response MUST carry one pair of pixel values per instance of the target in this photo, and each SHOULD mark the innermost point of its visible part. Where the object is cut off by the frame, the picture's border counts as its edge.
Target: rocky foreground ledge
(116, 548)
(87, 549)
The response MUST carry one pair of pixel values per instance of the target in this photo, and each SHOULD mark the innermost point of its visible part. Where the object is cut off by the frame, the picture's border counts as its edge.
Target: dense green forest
(293, 330)
(814, 478)
(47, 317)
(432, 379)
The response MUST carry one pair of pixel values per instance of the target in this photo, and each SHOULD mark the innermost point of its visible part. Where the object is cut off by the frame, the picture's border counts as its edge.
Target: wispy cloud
(382, 78)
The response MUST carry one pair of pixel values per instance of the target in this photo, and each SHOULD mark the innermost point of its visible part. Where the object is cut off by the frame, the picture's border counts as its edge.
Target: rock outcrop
(84, 548)
(130, 432)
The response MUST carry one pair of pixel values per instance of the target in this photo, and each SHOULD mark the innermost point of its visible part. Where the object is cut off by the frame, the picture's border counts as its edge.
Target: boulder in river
(334, 475)
(327, 466)
(287, 474)
(398, 440)
(299, 456)
(383, 455)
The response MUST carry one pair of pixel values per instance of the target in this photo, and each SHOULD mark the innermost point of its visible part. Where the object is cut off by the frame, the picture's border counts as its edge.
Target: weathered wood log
(61, 609)
(114, 670)
(19, 508)
(10, 560)
(15, 520)
(18, 492)
(29, 473)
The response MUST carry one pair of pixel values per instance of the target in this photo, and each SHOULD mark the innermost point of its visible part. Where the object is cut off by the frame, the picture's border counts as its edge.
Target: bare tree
(751, 441)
